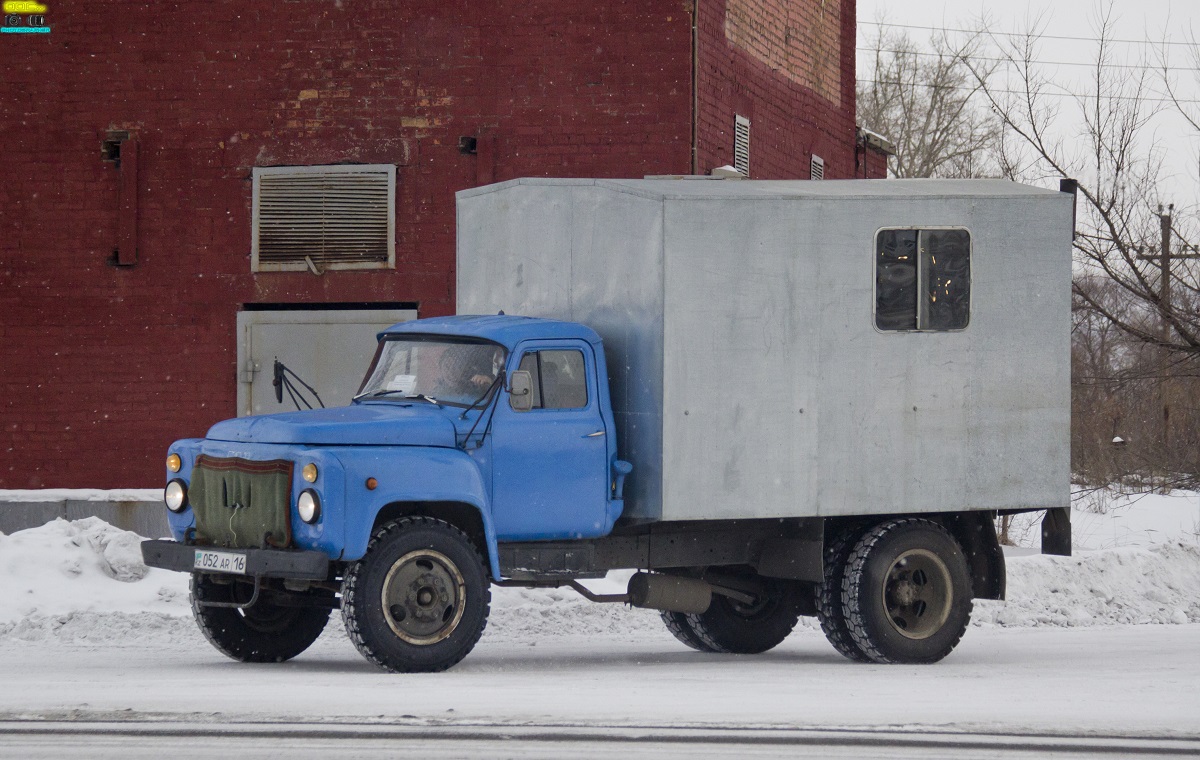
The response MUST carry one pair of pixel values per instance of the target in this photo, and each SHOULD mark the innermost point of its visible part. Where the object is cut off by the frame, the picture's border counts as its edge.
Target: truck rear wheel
(677, 623)
(828, 597)
(907, 592)
(418, 600)
(738, 628)
(262, 633)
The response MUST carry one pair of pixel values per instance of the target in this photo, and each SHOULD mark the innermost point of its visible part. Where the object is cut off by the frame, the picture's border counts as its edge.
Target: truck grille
(241, 503)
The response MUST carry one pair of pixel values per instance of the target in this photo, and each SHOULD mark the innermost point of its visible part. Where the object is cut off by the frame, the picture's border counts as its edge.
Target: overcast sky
(1136, 20)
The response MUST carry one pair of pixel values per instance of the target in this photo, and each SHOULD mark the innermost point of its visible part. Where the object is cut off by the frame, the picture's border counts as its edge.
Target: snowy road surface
(132, 740)
(1138, 682)
(1096, 655)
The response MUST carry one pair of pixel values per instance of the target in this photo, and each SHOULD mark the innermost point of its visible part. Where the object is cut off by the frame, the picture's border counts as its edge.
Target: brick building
(133, 231)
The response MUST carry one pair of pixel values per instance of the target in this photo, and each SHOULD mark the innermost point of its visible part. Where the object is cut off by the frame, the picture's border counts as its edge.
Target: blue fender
(407, 474)
(187, 449)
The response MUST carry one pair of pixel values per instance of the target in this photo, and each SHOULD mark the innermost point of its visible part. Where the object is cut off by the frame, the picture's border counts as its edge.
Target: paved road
(133, 740)
(1093, 692)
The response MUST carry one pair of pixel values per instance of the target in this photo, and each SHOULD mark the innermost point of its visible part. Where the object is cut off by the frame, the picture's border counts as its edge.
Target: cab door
(550, 474)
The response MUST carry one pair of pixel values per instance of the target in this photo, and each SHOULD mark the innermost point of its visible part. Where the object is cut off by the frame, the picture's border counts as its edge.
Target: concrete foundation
(146, 518)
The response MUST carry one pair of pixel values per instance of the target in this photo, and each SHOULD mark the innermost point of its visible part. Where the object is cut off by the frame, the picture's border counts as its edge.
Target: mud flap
(1056, 532)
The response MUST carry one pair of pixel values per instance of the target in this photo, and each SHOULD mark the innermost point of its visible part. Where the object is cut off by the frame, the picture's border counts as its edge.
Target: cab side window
(558, 377)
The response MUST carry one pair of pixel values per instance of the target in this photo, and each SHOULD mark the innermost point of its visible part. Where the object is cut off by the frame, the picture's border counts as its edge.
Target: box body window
(922, 279)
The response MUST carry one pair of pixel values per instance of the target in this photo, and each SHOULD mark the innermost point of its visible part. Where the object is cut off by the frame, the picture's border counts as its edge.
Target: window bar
(922, 284)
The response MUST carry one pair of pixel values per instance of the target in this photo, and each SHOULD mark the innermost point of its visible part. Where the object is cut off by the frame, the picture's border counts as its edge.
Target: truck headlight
(309, 472)
(174, 463)
(175, 496)
(309, 506)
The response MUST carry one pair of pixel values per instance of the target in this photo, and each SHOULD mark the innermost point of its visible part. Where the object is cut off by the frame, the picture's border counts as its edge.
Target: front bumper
(261, 563)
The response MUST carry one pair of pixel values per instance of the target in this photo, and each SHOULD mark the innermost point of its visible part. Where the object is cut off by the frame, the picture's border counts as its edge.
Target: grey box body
(747, 375)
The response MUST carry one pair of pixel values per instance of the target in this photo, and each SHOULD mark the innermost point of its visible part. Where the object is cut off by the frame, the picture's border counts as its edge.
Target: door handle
(596, 434)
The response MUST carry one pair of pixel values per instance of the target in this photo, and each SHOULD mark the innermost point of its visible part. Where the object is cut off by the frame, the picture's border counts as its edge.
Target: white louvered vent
(324, 217)
(741, 144)
(816, 168)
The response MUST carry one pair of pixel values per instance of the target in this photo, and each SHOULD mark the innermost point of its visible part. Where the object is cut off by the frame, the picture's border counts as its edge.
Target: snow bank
(1156, 584)
(84, 581)
(1137, 560)
(1107, 518)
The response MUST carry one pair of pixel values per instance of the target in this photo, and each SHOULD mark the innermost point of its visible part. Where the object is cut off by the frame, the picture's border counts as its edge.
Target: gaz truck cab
(466, 432)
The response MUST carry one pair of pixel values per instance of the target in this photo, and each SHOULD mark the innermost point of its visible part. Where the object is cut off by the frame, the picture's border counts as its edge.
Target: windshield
(439, 370)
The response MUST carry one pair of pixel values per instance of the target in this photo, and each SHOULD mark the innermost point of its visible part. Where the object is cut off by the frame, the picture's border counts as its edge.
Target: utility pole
(1164, 294)
(1164, 257)
(1164, 284)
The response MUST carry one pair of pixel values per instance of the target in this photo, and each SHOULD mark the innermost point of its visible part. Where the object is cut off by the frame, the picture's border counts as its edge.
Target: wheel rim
(423, 597)
(917, 594)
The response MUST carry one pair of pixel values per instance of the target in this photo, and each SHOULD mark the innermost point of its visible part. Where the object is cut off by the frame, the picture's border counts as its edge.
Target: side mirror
(520, 391)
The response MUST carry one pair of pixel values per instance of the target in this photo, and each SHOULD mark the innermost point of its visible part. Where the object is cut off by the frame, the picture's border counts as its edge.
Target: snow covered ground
(1102, 643)
(1137, 561)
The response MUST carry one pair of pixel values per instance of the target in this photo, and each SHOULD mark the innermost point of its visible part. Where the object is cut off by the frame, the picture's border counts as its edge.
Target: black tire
(734, 628)
(262, 633)
(907, 592)
(677, 623)
(437, 597)
(828, 597)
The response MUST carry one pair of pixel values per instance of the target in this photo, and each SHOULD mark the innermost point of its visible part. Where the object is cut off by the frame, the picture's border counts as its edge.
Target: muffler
(669, 593)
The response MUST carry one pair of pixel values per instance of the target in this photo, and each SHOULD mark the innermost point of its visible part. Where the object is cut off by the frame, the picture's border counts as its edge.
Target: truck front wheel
(906, 592)
(418, 600)
(748, 628)
(264, 632)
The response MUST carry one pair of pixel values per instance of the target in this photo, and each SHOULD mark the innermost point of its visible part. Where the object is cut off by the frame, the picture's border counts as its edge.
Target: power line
(898, 83)
(984, 32)
(1043, 63)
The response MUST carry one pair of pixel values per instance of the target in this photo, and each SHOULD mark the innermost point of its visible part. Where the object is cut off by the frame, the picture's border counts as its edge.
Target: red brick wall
(870, 163)
(100, 367)
(789, 68)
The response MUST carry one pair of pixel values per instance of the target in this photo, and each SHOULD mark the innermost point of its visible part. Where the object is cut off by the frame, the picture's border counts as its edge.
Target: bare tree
(925, 101)
(1185, 107)
(1136, 346)
(1117, 163)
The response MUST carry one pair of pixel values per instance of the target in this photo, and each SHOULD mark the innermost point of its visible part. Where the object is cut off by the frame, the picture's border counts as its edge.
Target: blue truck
(789, 429)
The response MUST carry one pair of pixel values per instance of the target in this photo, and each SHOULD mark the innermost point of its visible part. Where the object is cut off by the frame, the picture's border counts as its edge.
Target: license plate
(221, 562)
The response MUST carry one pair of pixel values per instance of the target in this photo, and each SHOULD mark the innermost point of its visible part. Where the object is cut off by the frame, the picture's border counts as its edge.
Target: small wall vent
(741, 144)
(816, 168)
(324, 217)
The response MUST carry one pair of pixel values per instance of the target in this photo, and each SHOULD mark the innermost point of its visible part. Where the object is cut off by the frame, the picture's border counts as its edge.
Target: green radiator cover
(241, 503)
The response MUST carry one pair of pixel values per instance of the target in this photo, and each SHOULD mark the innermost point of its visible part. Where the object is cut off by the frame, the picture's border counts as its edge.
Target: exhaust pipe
(669, 593)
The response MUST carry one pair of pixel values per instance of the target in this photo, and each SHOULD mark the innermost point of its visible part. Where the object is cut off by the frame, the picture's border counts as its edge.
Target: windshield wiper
(475, 404)
(385, 392)
(283, 383)
(491, 402)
